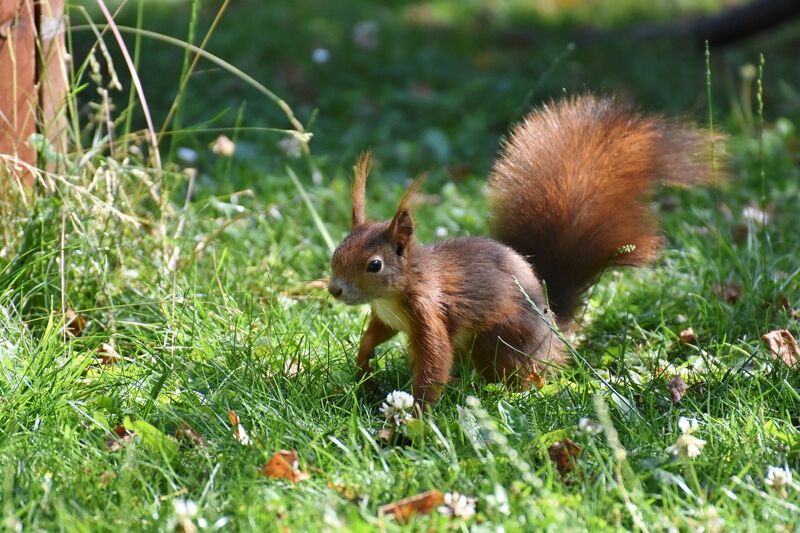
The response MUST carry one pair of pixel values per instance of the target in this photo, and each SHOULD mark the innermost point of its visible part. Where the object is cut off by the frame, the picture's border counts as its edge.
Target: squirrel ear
(401, 228)
(361, 171)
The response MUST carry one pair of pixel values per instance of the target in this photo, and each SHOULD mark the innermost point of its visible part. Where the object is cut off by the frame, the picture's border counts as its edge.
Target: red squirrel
(568, 198)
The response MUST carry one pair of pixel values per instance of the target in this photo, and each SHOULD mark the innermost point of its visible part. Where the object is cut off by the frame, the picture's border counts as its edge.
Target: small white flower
(223, 146)
(320, 55)
(398, 407)
(458, 505)
(184, 508)
(185, 512)
(756, 215)
(587, 426)
(778, 479)
(441, 232)
(499, 500)
(687, 445)
(688, 425)
(187, 155)
(291, 146)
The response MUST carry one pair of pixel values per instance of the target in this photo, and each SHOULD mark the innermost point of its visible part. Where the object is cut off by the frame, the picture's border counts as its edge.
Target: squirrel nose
(335, 290)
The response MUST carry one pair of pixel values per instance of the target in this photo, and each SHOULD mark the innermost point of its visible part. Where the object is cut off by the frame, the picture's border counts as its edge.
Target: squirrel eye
(374, 266)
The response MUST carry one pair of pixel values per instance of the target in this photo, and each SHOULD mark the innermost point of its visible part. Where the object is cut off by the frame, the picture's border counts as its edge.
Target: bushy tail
(571, 189)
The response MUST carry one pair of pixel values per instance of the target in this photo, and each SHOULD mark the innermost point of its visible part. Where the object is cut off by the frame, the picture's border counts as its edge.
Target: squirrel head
(371, 261)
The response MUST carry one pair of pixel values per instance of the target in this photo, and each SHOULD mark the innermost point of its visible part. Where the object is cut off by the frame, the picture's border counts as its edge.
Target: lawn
(144, 308)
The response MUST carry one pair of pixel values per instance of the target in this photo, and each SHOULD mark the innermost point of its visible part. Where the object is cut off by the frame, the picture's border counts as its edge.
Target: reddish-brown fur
(569, 190)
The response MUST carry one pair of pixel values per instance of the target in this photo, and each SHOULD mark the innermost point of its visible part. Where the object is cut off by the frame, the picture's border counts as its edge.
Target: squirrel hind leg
(518, 354)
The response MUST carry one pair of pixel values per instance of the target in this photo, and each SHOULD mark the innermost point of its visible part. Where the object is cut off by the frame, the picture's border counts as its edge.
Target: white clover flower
(755, 215)
(185, 516)
(184, 508)
(778, 479)
(458, 505)
(441, 232)
(687, 445)
(398, 407)
(688, 425)
(587, 426)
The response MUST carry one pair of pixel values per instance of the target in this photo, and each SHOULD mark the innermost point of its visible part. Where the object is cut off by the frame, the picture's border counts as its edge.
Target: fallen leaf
(677, 389)
(285, 465)
(122, 436)
(730, 292)
(563, 454)
(404, 509)
(185, 431)
(108, 354)
(321, 283)
(782, 346)
(782, 302)
(687, 336)
(74, 323)
(535, 379)
(385, 433)
(239, 433)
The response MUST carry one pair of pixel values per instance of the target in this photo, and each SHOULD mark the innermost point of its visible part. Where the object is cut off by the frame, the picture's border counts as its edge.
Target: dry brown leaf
(535, 379)
(563, 454)
(782, 302)
(404, 509)
(385, 434)
(677, 389)
(122, 436)
(321, 283)
(285, 465)
(108, 354)
(687, 336)
(782, 346)
(74, 323)
(308, 289)
(730, 292)
(185, 431)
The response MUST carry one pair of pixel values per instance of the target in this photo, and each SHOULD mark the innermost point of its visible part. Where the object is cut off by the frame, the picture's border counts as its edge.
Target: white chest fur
(392, 314)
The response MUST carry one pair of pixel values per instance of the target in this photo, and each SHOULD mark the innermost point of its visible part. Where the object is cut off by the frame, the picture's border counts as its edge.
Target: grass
(200, 280)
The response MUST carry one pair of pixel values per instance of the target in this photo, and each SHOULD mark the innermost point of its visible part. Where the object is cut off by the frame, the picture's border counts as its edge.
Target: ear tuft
(360, 173)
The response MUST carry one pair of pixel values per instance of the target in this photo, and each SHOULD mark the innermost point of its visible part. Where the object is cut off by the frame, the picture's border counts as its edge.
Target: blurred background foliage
(436, 84)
